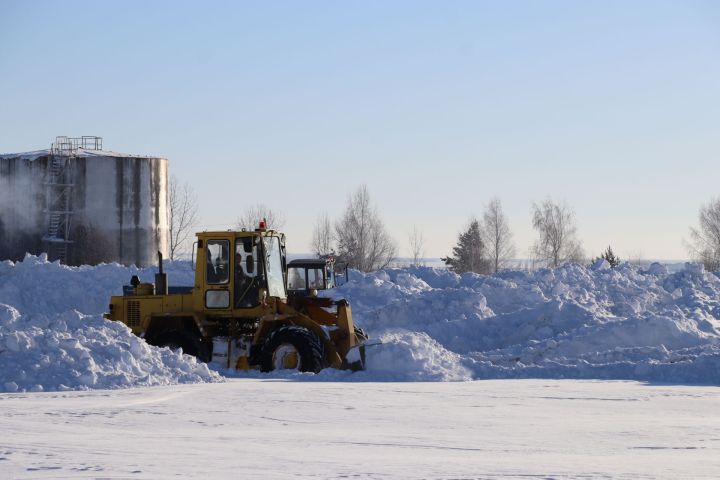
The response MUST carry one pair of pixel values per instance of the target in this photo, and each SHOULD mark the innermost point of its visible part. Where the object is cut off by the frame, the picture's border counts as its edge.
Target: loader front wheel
(292, 348)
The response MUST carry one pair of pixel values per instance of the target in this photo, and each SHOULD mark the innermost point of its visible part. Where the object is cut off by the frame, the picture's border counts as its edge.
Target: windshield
(296, 278)
(273, 260)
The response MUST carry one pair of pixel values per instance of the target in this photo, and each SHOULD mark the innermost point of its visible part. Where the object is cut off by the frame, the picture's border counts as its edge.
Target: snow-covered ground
(84, 398)
(251, 428)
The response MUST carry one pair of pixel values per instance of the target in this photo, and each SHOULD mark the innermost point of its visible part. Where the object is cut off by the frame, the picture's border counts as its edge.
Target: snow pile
(569, 322)
(38, 286)
(404, 356)
(413, 356)
(47, 344)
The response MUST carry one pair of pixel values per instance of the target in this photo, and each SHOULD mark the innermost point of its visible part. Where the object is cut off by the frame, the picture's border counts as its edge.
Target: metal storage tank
(83, 205)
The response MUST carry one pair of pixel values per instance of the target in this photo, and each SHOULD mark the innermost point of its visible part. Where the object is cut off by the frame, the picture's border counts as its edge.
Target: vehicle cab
(239, 270)
(308, 274)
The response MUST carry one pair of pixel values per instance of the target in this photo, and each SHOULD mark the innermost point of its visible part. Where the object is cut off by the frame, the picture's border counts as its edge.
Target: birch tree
(417, 246)
(704, 245)
(323, 236)
(183, 215)
(362, 240)
(557, 241)
(252, 216)
(497, 236)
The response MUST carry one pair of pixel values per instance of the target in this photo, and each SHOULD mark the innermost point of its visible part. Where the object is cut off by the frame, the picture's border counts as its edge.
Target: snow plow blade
(355, 357)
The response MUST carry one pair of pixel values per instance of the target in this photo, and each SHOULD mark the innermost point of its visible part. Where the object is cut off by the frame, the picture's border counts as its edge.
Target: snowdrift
(47, 344)
(569, 322)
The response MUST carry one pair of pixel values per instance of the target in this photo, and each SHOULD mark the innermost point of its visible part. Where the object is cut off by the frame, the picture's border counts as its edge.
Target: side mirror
(249, 264)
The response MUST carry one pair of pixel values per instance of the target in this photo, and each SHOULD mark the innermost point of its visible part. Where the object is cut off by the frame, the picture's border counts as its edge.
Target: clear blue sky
(613, 107)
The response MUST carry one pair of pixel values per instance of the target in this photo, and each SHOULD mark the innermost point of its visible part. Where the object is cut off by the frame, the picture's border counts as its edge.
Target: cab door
(248, 271)
(217, 295)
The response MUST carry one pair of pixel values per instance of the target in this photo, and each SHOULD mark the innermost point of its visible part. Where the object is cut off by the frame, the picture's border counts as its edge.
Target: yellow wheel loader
(237, 313)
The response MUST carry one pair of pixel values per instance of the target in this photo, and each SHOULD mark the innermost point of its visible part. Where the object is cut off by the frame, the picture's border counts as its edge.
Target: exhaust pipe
(161, 283)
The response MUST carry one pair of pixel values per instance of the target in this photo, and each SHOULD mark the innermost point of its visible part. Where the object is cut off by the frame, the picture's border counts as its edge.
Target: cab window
(275, 264)
(315, 278)
(247, 286)
(217, 259)
(296, 279)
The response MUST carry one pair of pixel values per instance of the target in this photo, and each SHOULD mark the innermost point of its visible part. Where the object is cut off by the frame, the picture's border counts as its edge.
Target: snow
(85, 398)
(75, 351)
(571, 322)
(47, 344)
(38, 286)
(249, 428)
(81, 152)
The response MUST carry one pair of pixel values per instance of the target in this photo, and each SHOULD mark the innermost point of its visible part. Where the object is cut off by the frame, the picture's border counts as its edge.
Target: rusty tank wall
(119, 207)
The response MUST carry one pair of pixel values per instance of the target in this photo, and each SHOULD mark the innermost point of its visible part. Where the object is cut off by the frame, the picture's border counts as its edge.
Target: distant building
(83, 205)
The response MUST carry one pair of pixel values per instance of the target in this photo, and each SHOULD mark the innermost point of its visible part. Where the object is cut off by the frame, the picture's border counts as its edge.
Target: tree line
(360, 239)
(486, 246)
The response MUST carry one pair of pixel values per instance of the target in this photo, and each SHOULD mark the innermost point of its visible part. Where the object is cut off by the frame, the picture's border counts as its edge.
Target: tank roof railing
(67, 145)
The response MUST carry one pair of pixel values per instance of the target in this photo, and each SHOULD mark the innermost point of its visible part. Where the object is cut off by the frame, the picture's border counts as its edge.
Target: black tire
(175, 339)
(309, 349)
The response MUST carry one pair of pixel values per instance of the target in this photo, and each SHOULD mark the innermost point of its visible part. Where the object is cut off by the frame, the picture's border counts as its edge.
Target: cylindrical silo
(83, 205)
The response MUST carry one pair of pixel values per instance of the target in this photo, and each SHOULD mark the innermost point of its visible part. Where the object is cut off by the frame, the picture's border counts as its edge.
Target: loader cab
(305, 275)
(240, 270)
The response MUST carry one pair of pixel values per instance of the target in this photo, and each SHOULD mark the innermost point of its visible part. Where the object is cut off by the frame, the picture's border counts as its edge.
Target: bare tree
(704, 245)
(361, 237)
(183, 215)
(557, 242)
(417, 246)
(252, 215)
(497, 235)
(637, 257)
(323, 236)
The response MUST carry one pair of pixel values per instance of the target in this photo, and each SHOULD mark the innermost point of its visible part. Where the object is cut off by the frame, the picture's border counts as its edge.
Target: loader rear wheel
(292, 348)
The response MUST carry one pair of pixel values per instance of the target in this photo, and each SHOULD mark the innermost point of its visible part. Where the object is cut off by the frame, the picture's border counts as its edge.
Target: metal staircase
(59, 185)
